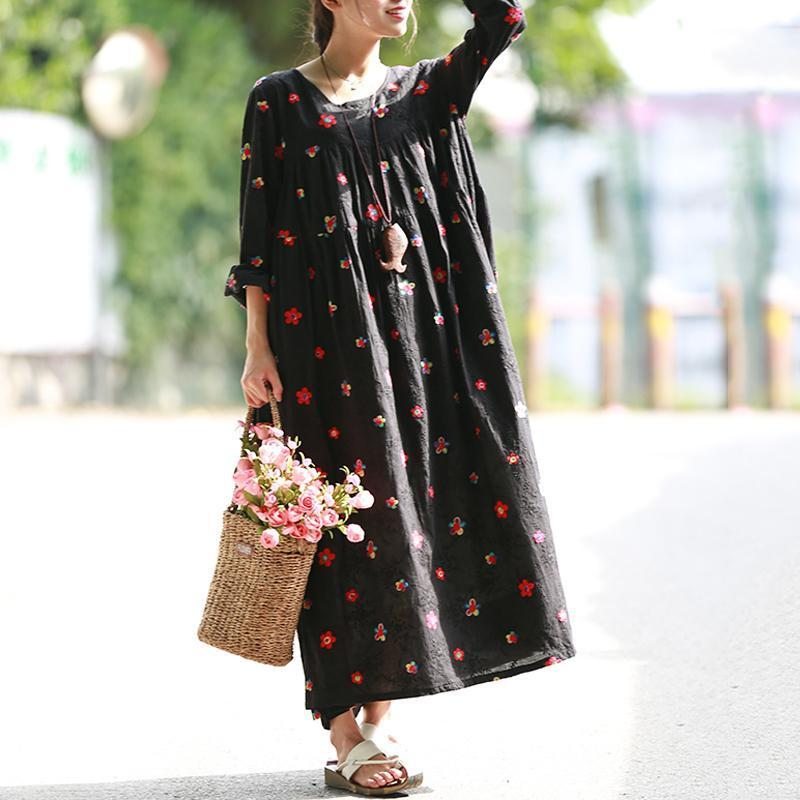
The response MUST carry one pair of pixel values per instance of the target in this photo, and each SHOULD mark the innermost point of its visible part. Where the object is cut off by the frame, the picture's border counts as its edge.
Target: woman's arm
(249, 280)
(496, 23)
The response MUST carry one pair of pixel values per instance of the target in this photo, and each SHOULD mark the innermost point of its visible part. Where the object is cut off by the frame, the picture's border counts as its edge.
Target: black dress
(408, 378)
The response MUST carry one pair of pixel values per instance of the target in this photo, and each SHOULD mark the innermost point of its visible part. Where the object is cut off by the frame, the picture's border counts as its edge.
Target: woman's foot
(345, 735)
(377, 718)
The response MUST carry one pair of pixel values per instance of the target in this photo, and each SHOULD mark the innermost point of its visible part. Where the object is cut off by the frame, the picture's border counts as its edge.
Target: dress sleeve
(261, 172)
(496, 23)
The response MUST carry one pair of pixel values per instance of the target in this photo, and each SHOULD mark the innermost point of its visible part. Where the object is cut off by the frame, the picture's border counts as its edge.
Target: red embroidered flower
(473, 477)
(392, 502)
(292, 316)
(330, 223)
(456, 526)
(552, 660)
(401, 585)
(439, 274)
(334, 432)
(361, 341)
(288, 237)
(417, 412)
(394, 333)
(357, 678)
(342, 178)
(307, 603)
(319, 352)
(458, 654)
(294, 97)
(262, 105)
(312, 151)
(513, 16)
(412, 668)
(359, 467)
(512, 637)
(351, 595)
(325, 557)
(501, 509)
(480, 384)
(491, 558)
(526, 587)
(246, 151)
(512, 458)
(303, 396)
(379, 420)
(380, 632)
(455, 218)
(309, 685)
(372, 549)
(372, 212)
(346, 388)
(277, 151)
(440, 573)
(326, 120)
(472, 607)
(326, 640)
(257, 183)
(421, 87)
(332, 308)
(256, 261)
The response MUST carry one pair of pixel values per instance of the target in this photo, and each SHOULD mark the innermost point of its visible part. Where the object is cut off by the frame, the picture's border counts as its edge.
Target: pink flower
(292, 530)
(265, 431)
(301, 475)
(277, 516)
(353, 478)
(313, 520)
(313, 535)
(274, 451)
(354, 532)
(270, 537)
(329, 517)
(432, 620)
(294, 513)
(308, 501)
(364, 499)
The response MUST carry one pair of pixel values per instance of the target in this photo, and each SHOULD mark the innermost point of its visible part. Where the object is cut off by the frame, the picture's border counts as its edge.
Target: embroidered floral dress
(408, 378)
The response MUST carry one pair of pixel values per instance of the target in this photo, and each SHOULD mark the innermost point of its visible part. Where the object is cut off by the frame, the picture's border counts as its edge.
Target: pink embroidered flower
(417, 411)
(561, 615)
(431, 620)
(537, 536)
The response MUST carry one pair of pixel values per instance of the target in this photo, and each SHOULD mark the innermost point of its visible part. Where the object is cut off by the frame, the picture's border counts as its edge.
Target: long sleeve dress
(409, 379)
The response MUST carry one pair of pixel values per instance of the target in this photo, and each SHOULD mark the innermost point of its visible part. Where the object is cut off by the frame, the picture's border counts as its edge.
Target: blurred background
(640, 159)
(642, 165)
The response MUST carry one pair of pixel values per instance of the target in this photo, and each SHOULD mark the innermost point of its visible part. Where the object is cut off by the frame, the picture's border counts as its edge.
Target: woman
(394, 358)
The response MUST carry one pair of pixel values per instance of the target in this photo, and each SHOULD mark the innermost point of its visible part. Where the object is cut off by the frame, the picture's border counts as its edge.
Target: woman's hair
(321, 25)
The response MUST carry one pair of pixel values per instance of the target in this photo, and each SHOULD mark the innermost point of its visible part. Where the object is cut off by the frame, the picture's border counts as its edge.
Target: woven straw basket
(256, 594)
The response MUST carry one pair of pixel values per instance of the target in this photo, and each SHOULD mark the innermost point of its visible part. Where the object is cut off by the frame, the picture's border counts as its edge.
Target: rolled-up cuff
(241, 275)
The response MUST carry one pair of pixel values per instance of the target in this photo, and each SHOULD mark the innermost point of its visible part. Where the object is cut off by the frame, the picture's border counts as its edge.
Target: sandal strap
(362, 754)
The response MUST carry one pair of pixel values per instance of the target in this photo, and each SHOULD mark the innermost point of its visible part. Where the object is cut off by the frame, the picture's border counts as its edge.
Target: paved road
(677, 536)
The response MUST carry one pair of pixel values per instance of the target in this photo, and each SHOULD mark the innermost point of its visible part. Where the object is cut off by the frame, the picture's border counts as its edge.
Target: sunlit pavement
(678, 541)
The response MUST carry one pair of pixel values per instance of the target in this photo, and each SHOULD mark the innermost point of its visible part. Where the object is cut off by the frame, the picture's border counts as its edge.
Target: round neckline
(355, 101)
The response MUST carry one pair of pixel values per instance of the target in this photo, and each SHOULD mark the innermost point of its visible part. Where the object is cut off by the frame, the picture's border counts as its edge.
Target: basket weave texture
(256, 593)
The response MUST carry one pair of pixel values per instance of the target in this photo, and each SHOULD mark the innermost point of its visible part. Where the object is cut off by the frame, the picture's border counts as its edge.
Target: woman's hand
(260, 366)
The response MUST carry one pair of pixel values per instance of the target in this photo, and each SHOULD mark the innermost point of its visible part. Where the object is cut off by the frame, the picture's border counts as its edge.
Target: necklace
(352, 83)
(393, 237)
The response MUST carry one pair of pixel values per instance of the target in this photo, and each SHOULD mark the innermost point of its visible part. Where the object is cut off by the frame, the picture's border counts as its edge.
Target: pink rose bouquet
(279, 488)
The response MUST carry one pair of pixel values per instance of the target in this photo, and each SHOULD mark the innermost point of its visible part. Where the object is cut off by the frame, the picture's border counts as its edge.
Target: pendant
(395, 243)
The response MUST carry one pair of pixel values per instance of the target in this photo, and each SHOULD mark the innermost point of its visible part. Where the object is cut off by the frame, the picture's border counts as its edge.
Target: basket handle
(276, 416)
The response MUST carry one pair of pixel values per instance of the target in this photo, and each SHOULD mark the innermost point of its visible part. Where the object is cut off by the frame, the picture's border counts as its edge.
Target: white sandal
(384, 739)
(339, 775)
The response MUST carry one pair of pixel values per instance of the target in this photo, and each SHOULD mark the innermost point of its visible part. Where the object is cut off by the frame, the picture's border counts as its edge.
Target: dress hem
(461, 683)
